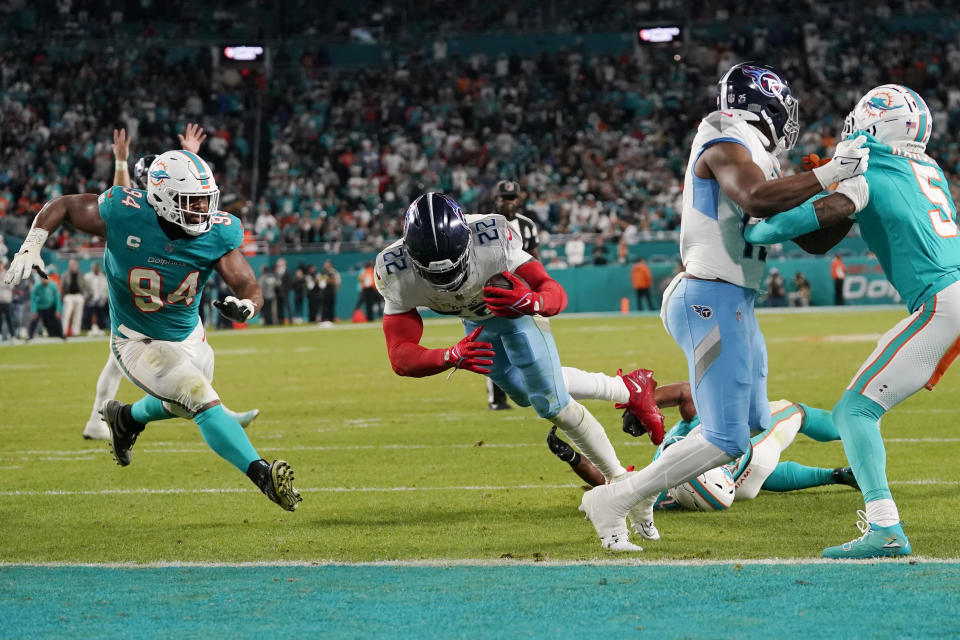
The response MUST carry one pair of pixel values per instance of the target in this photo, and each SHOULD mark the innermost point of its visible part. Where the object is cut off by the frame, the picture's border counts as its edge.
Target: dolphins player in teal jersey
(759, 468)
(162, 245)
(908, 220)
(109, 380)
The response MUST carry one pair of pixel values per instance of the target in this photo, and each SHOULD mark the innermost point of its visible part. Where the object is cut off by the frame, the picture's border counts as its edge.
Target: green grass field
(402, 469)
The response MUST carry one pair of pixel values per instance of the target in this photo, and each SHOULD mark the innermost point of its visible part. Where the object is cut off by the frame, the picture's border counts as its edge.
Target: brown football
(499, 281)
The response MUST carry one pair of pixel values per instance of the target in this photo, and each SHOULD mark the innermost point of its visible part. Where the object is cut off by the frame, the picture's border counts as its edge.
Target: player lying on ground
(108, 382)
(162, 246)
(443, 262)
(743, 478)
(732, 177)
(908, 220)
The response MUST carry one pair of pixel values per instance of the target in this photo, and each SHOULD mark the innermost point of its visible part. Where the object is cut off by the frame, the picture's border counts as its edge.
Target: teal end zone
(856, 600)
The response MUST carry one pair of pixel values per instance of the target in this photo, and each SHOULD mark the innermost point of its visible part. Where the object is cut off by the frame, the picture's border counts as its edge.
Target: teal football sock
(790, 476)
(226, 437)
(149, 408)
(858, 422)
(818, 424)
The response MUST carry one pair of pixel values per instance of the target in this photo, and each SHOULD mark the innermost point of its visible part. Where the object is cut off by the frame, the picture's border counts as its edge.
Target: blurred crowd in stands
(598, 142)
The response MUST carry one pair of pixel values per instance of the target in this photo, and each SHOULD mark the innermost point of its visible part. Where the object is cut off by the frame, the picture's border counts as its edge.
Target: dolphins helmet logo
(158, 175)
(766, 80)
(879, 103)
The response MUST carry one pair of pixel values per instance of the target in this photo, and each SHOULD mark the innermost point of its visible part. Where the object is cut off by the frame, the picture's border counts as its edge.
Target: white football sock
(587, 434)
(883, 512)
(107, 385)
(678, 463)
(586, 385)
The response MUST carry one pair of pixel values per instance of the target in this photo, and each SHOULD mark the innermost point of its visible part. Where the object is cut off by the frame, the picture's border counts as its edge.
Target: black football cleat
(276, 481)
(123, 429)
(844, 475)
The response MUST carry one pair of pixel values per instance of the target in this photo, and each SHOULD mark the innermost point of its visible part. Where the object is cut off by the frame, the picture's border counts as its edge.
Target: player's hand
(512, 303)
(28, 258)
(121, 145)
(192, 138)
(857, 191)
(471, 355)
(560, 448)
(850, 159)
(236, 310)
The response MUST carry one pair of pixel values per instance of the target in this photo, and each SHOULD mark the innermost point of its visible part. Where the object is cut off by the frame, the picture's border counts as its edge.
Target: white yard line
(212, 490)
(162, 447)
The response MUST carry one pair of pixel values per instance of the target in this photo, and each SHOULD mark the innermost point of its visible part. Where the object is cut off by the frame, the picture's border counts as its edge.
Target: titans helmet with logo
(140, 170)
(759, 89)
(437, 240)
(892, 114)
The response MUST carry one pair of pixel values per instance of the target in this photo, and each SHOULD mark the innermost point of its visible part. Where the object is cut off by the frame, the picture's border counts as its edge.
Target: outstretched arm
(192, 137)
(81, 210)
(121, 153)
(408, 358)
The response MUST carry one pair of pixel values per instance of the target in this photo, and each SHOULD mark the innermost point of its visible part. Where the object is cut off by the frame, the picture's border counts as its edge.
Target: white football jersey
(495, 248)
(711, 225)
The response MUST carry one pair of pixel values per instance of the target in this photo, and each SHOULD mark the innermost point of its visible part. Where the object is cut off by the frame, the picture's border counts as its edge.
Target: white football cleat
(96, 429)
(611, 528)
(247, 417)
(641, 518)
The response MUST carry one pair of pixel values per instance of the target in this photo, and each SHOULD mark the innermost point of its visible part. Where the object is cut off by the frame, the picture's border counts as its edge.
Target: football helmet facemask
(182, 189)
(893, 114)
(437, 240)
(759, 89)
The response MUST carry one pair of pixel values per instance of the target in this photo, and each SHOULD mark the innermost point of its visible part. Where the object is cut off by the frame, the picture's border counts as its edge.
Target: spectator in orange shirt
(642, 281)
(838, 271)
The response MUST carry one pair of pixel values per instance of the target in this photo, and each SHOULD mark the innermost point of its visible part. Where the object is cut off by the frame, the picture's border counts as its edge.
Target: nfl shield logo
(168, 248)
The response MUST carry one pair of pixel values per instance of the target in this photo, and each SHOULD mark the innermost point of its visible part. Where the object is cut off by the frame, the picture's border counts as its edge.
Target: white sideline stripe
(480, 562)
(181, 490)
(153, 448)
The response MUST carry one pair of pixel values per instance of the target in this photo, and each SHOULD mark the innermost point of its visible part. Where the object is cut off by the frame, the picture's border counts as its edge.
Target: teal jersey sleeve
(910, 222)
(155, 280)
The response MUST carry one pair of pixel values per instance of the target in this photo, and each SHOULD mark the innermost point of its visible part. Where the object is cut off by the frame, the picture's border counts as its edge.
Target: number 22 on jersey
(145, 286)
(942, 214)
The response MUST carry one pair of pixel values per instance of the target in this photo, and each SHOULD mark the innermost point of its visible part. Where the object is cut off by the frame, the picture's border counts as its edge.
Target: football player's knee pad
(194, 392)
(176, 410)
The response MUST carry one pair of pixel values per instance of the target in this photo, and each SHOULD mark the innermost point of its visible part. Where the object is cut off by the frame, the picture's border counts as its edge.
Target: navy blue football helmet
(759, 89)
(437, 240)
(140, 170)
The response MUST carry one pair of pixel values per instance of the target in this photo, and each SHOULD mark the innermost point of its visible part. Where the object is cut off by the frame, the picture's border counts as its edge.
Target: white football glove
(234, 309)
(850, 159)
(28, 258)
(857, 190)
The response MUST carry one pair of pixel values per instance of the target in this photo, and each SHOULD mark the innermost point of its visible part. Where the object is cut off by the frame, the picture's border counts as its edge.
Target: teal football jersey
(910, 222)
(155, 282)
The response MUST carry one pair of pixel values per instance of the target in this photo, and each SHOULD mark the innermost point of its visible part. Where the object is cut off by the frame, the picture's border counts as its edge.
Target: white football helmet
(713, 490)
(179, 184)
(892, 114)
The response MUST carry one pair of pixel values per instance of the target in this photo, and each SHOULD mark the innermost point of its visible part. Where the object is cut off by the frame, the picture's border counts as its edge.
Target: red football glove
(470, 355)
(512, 303)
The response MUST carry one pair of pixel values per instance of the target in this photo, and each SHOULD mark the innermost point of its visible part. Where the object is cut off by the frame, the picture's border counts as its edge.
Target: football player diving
(443, 262)
(162, 245)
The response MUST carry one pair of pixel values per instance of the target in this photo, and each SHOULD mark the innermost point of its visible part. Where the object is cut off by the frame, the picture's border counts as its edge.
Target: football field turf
(412, 472)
